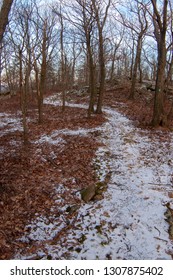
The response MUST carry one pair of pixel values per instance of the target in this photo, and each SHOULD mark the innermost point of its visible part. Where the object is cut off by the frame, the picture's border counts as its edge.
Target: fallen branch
(160, 184)
(161, 239)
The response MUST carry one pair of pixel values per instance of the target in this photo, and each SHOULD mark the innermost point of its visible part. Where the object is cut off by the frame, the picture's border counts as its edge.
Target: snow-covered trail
(129, 223)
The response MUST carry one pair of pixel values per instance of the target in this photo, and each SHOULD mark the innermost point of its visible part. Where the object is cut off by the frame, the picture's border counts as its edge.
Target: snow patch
(13, 123)
(50, 139)
(54, 138)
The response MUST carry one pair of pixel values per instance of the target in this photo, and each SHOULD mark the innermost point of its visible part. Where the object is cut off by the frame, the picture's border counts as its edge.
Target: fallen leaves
(29, 176)
(31, 179)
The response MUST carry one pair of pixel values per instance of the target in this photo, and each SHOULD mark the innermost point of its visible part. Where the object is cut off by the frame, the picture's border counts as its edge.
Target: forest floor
(42, 213)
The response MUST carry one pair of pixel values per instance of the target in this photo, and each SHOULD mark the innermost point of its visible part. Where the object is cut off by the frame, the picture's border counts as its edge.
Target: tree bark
(101, 20)
(135, 68)
(42, 75)
(63, 64)
(0, 67)
(5, 10)
(102, 73)
(160, 25)
(91, 80)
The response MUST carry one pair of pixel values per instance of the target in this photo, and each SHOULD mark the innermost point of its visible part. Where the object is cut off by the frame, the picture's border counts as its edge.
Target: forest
(86, 129)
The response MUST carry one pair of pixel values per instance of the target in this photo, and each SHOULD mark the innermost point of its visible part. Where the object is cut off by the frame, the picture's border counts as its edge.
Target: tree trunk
(168, 79)
(159, 117)
(135, 68)
(23, 87)
(132, 60)
(113, 64)
(25, 90)
(5, 10)
(102, 73)
(42, 77)
(0, 67)
(160, 26)
(154, 72)
(63, 64)
(91, 81)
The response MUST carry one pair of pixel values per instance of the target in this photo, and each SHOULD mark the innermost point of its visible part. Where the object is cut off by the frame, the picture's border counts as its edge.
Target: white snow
(51, 139)
(55, 100)
(8, 124)
(43, 229)
(54, 138)
(129, 223)
(13, 123)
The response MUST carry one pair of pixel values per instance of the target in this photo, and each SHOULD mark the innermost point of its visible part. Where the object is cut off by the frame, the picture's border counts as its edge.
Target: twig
(161, 184)
(51, 161)
(157, 230)
(161, 239)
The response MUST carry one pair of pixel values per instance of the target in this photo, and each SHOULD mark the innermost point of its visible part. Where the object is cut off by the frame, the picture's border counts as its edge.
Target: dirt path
(129, 223)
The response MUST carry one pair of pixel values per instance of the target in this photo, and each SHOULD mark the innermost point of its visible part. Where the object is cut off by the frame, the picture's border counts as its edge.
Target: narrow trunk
(63, 67)
(0, 67)
(154, 71)
(135, 68)
(113, 64)
(41, 92)
(24, 87)
(102, 73)
(132, 63)
(24, 102)
(63, 81)
(91, 84)
(42, 76)
(20, 77)
(140, 72)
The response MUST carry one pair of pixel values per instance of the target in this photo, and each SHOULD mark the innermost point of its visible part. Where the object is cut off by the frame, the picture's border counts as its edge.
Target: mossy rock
(98, 197)
(88, 193)
(95, 192)
(100, 184)
(100, 188)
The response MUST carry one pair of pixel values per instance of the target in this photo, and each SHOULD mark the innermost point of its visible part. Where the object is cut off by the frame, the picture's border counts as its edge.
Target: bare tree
(83, 18)
(76, 51)
(4, 13)
(20, 38)
(89, 23)
(63, 58)
(114, 45)
(43, 71)
(42, 50)
(66, 71)
(25, 69)
(101, 14)
(138, 24)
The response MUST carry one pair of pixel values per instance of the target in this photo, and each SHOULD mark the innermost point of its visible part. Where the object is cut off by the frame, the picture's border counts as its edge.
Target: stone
(98, 197)
(88, 193)
(71, 209)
